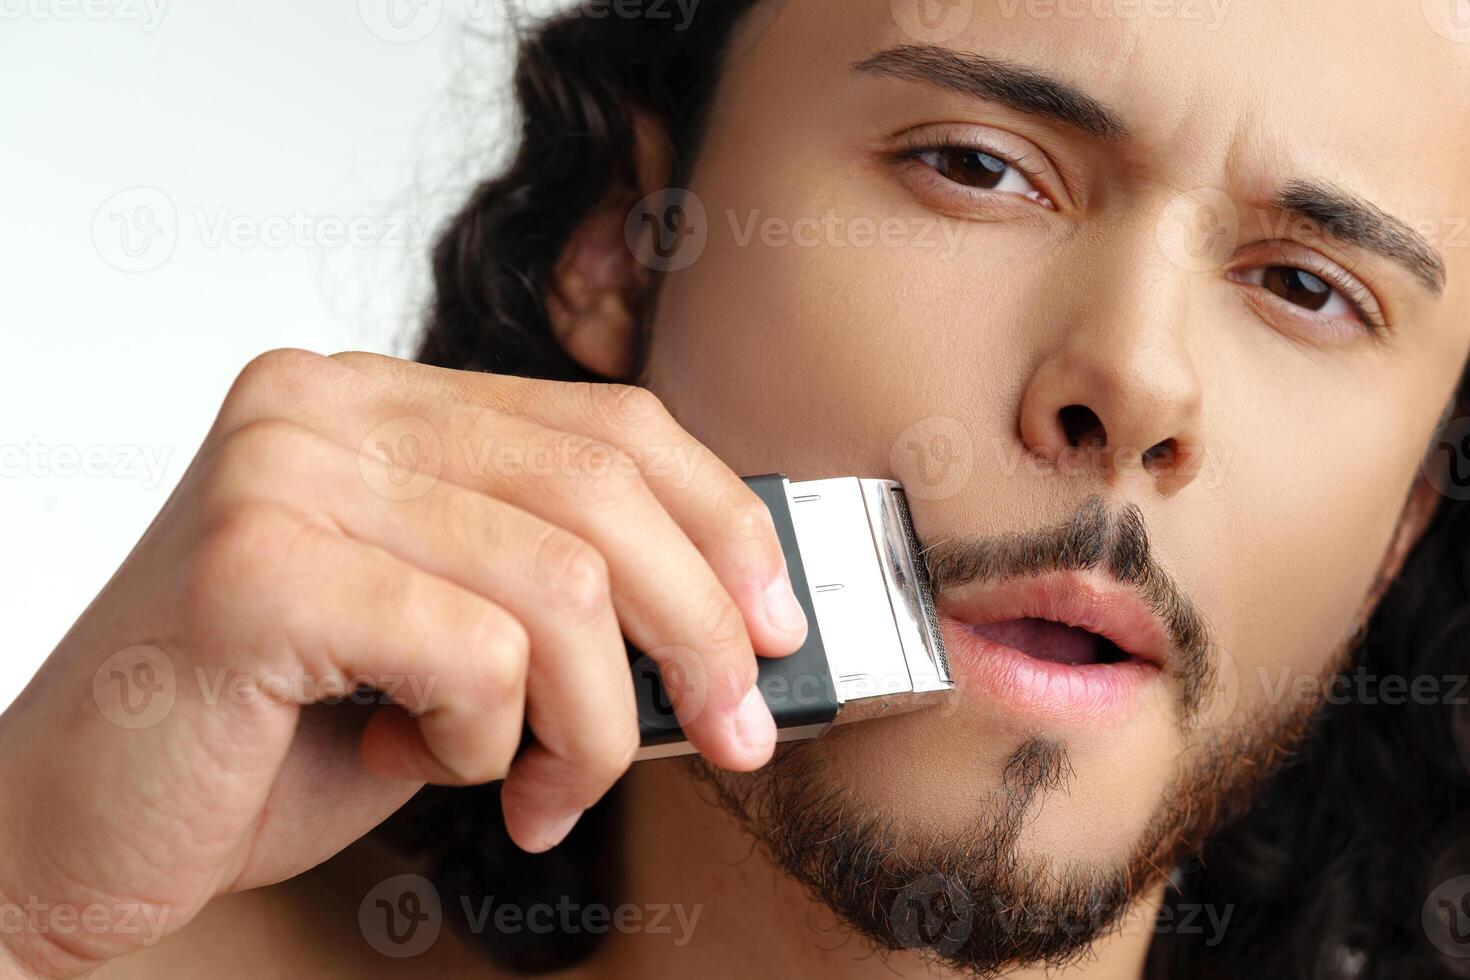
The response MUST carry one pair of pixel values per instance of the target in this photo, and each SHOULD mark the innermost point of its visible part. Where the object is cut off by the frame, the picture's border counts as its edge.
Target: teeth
(1046, 640)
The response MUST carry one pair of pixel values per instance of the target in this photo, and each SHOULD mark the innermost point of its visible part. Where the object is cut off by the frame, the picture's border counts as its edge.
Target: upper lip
(1086, 600)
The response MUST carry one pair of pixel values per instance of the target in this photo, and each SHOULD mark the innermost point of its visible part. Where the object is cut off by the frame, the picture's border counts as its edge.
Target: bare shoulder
(355, 916)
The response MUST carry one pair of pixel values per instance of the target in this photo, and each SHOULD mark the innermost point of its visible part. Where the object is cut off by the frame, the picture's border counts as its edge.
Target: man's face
(1111, 307)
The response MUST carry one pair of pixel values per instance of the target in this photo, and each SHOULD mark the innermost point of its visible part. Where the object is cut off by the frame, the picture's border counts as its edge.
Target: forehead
(1404, 64)
(1373, 95)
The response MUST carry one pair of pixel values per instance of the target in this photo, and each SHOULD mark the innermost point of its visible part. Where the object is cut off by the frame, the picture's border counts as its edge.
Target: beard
(974, 898)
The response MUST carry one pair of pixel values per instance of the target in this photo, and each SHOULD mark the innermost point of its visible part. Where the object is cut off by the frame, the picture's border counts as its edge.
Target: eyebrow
(1022, 88)
(1343, 215)
(1337, 212)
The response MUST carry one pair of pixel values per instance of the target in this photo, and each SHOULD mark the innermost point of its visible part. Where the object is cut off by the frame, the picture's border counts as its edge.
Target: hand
(473, 548)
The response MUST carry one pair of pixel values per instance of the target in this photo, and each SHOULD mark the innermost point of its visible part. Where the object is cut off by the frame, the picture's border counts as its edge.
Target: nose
(1117, 391)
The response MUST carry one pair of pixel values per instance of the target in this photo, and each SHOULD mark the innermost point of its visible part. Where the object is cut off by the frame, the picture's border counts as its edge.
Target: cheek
(1293, 550)
(829, 332)
(829, 312)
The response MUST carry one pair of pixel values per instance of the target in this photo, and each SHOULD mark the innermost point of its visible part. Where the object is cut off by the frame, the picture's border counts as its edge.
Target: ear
(598, 284)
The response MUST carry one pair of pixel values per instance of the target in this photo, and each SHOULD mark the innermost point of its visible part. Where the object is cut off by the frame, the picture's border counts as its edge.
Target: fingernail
(754, 726)
(557, 831)
(782, 609)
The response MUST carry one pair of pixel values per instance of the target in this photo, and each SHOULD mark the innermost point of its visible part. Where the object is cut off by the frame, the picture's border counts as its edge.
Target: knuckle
(572, 570)
(356, 358)
(498, 657)
(272, 381)
(601, 474)
(470, 762)
(608, 756)
(275, 367)
(745, 518)
(262, 441)
(720, 624)
(631, 406)
(281, 360)
(621, 473)
(250, 454)
(237, 549)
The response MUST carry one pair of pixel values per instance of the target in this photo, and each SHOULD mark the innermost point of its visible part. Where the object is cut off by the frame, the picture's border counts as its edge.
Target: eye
(982, 170)
(1301, 288)
(1315, 292)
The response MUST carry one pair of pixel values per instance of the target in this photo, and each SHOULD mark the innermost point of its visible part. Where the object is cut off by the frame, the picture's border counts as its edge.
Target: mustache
(1094, 537)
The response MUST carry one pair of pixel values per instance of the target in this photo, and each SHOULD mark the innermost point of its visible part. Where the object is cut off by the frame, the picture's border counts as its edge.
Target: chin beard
(970, 898)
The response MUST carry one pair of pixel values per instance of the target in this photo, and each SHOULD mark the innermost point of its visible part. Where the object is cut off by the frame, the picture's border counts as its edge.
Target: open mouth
(1044, 639)
(1060, 646)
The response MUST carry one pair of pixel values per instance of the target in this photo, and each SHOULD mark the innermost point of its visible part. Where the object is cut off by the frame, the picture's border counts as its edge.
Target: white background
(279, 167)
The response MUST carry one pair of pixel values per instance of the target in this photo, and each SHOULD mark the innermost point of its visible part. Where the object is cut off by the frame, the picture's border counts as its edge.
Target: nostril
(1082, 427)
(1160, 456)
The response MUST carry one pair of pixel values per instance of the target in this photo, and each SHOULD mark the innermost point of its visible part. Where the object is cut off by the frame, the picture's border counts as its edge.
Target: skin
(302, 555)
(1289, 428)
(1157, 351)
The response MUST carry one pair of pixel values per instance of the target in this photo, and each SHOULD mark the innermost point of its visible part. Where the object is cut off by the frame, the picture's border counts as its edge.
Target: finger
(452, 659)
(579, 687)
(668, 600)
(325, 764)
(722, 516)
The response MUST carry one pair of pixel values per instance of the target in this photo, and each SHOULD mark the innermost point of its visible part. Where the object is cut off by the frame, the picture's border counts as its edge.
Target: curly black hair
(1336, 871)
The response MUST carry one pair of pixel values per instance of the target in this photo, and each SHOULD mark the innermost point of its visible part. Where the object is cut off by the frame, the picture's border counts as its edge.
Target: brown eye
(1297, 286)
(1308, 292)
(973, 168)
(984, 173)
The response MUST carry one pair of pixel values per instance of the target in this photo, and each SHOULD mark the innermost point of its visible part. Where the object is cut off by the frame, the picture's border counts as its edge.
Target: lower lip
(1044, 689)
